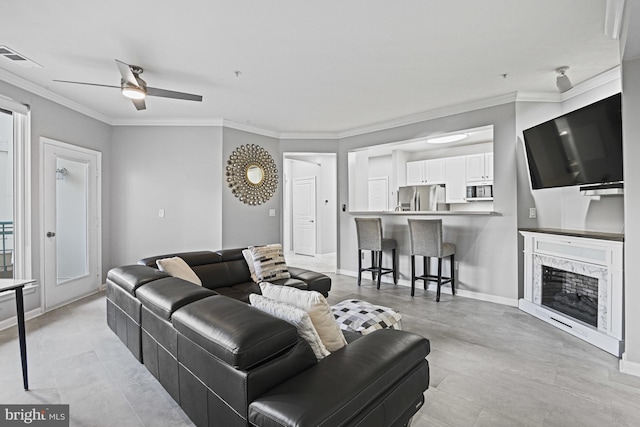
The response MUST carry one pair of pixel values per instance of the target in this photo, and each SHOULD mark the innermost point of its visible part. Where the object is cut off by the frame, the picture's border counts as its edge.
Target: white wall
(328, 205)
(177, 169)
(631, 135)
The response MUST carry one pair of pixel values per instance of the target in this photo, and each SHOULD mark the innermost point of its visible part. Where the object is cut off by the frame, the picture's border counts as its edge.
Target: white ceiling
(326, 66)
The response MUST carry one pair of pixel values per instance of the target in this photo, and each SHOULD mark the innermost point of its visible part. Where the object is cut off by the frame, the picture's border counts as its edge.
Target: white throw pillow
(177, 267)
(296, 316)
(269, 263)
(316, 305)
(248, 258)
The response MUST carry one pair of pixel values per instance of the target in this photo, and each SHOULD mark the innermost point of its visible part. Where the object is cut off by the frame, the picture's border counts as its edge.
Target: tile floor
(491, 365)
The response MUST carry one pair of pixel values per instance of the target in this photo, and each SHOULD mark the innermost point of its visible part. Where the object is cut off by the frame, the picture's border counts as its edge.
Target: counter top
(616, 237)
(413, 213)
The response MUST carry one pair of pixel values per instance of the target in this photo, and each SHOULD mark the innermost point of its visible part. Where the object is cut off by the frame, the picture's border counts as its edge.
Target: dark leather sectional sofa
(229, 364)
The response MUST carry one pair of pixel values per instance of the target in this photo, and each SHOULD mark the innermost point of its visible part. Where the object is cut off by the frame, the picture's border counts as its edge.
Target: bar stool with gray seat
(369, 231)
(426, 241)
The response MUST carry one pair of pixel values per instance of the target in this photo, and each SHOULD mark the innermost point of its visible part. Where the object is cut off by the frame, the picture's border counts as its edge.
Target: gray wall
(564, 207)
(55, 121)
(244, 225)
(486, 245)
(177, 169)
(631, 135)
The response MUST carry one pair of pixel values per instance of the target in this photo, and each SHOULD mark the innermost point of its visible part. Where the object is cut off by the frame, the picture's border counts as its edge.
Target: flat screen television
(583, 147)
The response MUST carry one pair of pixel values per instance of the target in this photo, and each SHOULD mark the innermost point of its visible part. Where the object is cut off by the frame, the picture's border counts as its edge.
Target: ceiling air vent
(17, 58)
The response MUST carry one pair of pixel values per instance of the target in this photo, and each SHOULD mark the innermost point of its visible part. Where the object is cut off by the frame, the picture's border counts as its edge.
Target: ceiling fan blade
(127, 74)
(83, 83)
(139, 104)
(154, 91)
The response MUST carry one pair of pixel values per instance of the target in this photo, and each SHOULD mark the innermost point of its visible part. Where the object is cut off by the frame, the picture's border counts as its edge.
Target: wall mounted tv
(583, 147)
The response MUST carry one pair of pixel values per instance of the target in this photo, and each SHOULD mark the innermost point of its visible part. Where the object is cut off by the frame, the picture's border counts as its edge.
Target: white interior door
(379, 194)
(71, 222)
(304, 216)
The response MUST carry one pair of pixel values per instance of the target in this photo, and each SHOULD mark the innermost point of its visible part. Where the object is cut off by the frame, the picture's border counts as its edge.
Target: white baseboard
(432, 287)
(629, 367)
(12, 321)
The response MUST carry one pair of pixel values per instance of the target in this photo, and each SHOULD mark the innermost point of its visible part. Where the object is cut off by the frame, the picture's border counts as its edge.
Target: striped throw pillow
(269, 263)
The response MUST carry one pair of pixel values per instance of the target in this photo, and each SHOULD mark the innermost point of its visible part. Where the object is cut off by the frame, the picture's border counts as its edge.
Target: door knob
(50, 234)
(311, 220)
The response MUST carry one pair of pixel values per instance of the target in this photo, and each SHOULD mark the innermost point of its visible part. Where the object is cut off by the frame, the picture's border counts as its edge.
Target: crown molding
(606, 77)
(612, 75)
(430, 115)
(407, 120)
(310, 135)
(248, 128)
(538, 97)
(219, 122)
(168, 122)
(33, 88)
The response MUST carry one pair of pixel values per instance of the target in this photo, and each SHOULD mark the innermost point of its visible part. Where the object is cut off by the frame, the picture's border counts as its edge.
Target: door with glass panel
(71, 224)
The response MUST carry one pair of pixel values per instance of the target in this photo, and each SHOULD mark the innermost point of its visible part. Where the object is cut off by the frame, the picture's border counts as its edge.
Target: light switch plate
(533, 213)
(272, 212)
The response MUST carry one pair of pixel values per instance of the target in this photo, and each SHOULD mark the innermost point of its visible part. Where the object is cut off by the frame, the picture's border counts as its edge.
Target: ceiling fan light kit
(133, 92)
(134, 88)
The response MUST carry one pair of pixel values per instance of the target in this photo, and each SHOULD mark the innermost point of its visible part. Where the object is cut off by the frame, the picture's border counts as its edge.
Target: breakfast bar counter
(414, 213)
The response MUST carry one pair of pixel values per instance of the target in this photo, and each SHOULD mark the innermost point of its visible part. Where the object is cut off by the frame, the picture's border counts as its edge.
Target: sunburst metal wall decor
(252, 174)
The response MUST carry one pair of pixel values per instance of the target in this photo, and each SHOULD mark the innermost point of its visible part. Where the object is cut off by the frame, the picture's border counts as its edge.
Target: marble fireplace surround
(597, 272)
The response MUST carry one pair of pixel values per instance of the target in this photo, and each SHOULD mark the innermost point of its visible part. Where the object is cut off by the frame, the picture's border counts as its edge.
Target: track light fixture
(563, 82)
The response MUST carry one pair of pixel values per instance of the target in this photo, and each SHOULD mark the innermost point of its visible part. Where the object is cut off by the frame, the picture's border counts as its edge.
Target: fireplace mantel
(596, 255)
(614, 237)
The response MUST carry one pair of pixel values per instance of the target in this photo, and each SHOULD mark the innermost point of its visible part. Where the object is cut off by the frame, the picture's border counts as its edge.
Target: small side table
(17, 286)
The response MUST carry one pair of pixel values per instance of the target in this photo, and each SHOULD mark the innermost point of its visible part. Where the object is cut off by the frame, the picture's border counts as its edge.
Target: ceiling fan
(136, 89)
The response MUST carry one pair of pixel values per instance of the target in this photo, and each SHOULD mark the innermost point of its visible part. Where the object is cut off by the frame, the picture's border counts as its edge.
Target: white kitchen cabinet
(415, 172)
(424, 172)
(479, 167)
(455, 180)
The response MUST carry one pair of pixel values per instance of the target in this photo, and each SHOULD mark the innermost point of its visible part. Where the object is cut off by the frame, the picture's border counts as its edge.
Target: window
(15, 184)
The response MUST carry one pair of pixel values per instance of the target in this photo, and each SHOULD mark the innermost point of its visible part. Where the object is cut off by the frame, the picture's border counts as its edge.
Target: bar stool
(426, 241)
(370, 238)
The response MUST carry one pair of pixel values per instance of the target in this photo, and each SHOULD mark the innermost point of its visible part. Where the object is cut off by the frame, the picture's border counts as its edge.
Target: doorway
(71, 247)
(310, 212)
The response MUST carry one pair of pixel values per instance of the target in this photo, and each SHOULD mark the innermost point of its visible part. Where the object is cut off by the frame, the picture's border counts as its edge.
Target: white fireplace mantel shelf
(595, 255)
(615, 237)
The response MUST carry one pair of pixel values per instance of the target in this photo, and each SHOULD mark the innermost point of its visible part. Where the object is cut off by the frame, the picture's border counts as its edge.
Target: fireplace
(575, 283)
(572, 294)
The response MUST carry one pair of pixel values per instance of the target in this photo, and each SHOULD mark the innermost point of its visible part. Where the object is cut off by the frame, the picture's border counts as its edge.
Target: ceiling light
(563, 82)
(447, 138)
(133, 92)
